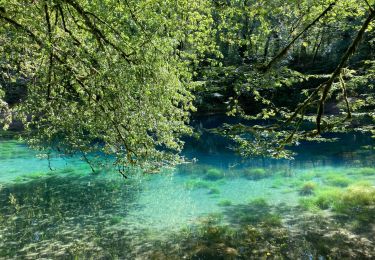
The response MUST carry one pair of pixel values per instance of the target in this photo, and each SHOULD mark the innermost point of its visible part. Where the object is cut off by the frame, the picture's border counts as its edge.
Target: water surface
(221, 206)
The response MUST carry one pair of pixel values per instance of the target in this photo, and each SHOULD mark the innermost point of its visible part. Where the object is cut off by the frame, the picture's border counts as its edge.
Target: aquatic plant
(308, 204)
(195, 170)
(272, 220)
(327, 238)
(43, 218)
(295, 184)
(327, 198)
(363, 171)
(324, 171)
(220, 182)
(256, 212)
(212, 218)
(311, 235)
(284, 172)
(72, 170)
(214, 191)
(214, 174)
(287, 190)
(307, 188)
(197, 184)
(337, 180)
(225, 203)
(20, 179)
(358, 201)
(210, 240)
(35, 175)
(255, 173)
(323, 199)
(115, 220)
(214, 233)
(42, 215)
(277, 183)
(307, 176)
(213, 240)
(258, 202)
(266, 239)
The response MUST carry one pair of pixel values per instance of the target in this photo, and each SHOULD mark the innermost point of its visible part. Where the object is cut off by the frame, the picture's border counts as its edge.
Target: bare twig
(305, 103)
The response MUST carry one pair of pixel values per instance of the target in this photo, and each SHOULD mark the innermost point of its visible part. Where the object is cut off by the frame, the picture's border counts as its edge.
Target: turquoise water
(219, 207)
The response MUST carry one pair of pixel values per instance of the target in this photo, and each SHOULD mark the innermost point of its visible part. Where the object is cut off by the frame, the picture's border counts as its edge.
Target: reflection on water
(322, 204)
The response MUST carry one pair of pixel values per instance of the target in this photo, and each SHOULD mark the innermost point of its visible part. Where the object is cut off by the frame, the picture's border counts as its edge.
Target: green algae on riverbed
(205, 210)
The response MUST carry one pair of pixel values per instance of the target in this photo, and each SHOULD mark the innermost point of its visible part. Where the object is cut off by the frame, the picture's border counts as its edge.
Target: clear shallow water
(201, 210)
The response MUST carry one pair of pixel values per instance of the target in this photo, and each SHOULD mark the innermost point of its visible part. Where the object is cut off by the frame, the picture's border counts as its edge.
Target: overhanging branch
(349, 52)
(286, 48)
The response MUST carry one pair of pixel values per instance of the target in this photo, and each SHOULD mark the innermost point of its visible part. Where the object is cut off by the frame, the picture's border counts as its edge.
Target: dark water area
(348, 149)
(321, 205)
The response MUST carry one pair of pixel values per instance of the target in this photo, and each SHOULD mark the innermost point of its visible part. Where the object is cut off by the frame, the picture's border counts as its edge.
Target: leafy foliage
(105, 76)
(285, 60)
(120, 77)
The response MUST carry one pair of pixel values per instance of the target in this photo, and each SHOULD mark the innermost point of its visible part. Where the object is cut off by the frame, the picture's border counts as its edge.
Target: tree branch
(65, 27)
(95, 30)
(350, 51)
(369, 6)
(286, 48)
(345, 96)
(22, 28)
(50, 65)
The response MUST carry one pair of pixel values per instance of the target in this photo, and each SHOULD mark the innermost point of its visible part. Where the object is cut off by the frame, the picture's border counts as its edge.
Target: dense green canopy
(285, 62)
(118, 76)
(109, 75)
